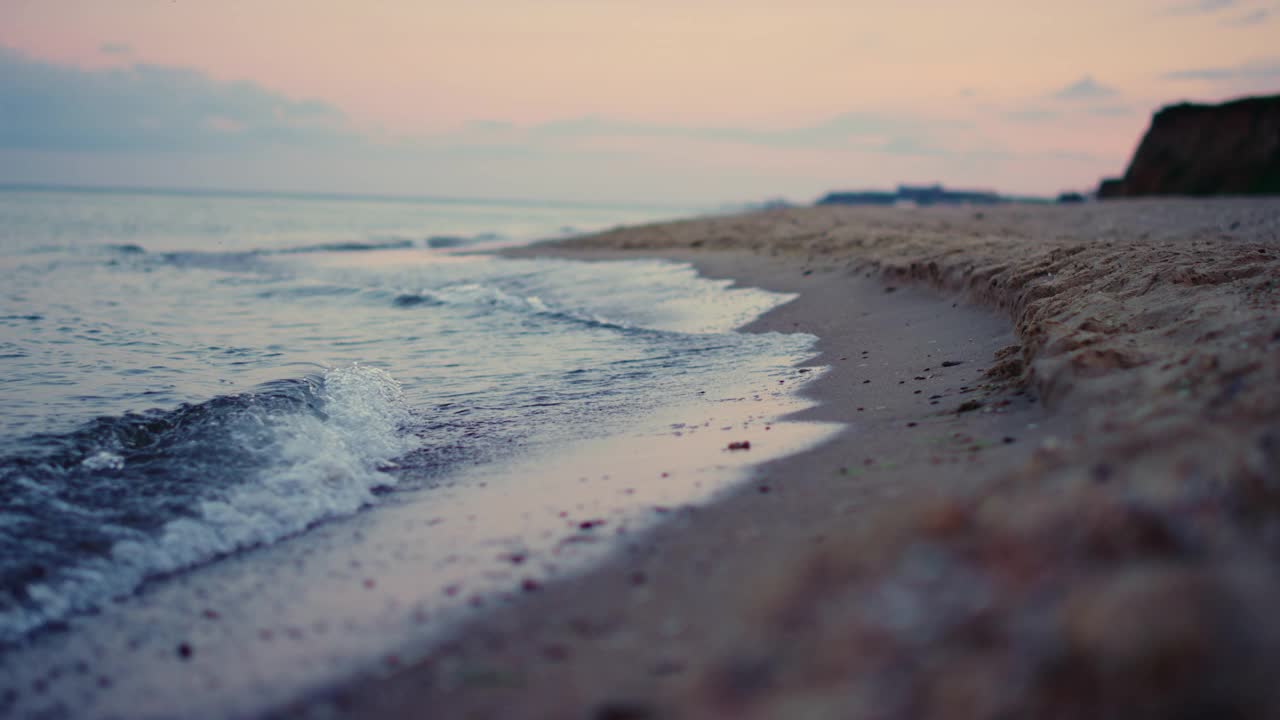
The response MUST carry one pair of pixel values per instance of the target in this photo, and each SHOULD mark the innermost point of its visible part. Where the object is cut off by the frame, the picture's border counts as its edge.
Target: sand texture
(1058, 499)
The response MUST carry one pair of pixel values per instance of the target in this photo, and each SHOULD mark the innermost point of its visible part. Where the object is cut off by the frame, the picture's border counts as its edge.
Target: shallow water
(182, 377)
(190, 386)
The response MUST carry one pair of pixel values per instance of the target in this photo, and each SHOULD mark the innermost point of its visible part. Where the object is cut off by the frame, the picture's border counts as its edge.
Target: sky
(682, 102)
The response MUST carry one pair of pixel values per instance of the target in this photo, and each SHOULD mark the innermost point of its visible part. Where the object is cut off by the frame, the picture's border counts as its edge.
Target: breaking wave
(89, 515)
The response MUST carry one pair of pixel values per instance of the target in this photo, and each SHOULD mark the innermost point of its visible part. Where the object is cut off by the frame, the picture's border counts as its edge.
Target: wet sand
(1055, 494)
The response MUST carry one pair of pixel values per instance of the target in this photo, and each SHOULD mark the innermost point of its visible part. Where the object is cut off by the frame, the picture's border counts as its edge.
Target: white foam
(103, 460)
(321, 466)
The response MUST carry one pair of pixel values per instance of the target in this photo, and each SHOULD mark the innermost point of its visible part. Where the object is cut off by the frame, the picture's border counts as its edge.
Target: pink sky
(967, 93)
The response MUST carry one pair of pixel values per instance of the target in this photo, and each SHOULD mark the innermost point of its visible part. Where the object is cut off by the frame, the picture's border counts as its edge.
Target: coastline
(663, 599)
(1124, 534)
(257, 628)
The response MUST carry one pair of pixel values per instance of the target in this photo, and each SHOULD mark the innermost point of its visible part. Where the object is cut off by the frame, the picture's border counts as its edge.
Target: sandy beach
(1055, 493)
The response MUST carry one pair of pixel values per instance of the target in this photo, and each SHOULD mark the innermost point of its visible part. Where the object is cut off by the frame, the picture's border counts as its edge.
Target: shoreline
(258, 628)
(485, 667)
(1128, 532)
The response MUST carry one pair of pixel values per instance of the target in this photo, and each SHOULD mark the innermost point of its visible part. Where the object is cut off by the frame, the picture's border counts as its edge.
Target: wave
(488, 296)
(90, 515)
(252, 259)
(394, 242)
(355, 246)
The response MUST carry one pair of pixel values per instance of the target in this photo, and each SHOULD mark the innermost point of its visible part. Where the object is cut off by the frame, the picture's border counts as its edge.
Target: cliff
(1227, 149)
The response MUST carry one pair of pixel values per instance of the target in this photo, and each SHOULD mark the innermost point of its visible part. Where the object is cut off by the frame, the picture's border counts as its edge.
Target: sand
(1074, 516)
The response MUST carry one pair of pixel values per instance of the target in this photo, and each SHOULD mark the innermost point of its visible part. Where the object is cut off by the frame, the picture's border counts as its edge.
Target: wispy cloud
(1199, 7)
(1086, 88)
(159, 125)
(1036, 114)
(113, 48)
(148, 107)
(891, 133)
(1110, 110)
(1033, 115)
(1255, 17)
(1266, 69)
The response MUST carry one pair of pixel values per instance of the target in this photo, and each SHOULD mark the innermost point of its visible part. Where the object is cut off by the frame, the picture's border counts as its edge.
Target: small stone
(556, 653)
(620, 710)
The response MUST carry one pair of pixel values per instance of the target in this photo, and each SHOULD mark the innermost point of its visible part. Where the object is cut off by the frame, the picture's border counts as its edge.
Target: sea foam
(317, 465)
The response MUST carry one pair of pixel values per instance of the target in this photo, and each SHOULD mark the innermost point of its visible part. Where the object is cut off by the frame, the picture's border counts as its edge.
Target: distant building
(913, 195)
(859, 198)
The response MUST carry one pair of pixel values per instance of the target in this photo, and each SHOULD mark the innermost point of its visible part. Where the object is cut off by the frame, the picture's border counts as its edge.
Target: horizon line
(339, 196)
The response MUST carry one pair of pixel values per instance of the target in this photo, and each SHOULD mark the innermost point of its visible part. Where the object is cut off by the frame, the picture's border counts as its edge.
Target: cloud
(1265, 69)
(1038, 114)
(1086, 88)
(1033, 115)
(148, 107)
(1110, 110)
(111, 48)
(143, 107)
(146, 125)
(1199, 7)
(886, 132)
(1254, 18)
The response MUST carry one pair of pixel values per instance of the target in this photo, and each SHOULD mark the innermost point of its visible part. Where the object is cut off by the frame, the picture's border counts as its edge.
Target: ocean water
(186, 377)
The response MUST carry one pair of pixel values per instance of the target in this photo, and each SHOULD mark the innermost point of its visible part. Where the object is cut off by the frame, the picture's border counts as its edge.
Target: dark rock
(1111, 188)
(1227, 149)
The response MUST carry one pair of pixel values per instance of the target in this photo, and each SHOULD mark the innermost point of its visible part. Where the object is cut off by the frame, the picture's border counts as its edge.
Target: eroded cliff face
(1228, 149)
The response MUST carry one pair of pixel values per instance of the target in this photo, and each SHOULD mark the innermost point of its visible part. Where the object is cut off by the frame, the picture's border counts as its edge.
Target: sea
(266, 413)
